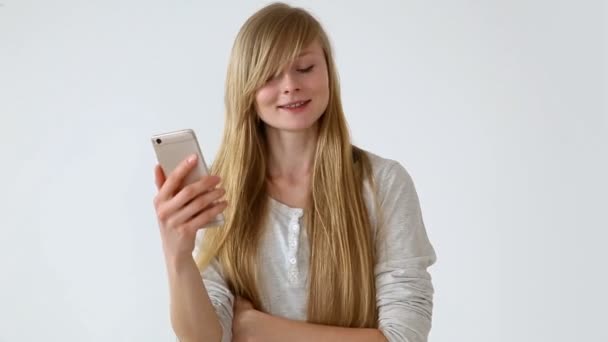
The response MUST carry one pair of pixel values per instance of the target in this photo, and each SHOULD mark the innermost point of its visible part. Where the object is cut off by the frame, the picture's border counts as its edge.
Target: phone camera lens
(158, 141)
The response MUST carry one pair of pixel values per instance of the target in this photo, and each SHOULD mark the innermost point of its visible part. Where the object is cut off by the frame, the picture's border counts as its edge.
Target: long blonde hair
(341, 275)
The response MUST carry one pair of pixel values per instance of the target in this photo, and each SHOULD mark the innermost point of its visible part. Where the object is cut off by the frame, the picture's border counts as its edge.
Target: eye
(271, 78)
(306, 69)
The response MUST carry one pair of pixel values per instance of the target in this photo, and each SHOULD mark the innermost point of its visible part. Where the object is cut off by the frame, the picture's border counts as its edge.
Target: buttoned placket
(293, 237)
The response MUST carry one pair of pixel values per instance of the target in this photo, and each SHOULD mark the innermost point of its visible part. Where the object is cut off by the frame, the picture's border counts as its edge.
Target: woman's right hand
(181, 213)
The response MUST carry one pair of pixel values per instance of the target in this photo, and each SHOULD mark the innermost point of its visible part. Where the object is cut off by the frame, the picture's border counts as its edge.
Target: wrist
(176, 263)
(270, 325)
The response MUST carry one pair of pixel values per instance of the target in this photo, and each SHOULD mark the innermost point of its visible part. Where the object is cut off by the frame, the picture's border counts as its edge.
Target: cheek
(321, 87)
(320, 83)
(264, 98)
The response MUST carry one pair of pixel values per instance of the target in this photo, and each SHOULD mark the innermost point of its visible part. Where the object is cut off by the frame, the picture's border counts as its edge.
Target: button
(295, 227)
(292, 243)
(292, 261)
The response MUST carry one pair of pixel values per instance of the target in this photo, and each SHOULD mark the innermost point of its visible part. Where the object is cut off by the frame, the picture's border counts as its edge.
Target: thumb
(159, 177)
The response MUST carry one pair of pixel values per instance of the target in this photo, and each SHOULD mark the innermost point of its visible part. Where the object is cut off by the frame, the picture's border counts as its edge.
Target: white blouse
(404, 292)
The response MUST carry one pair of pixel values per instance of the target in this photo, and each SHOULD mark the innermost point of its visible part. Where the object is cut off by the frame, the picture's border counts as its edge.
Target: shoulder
(388, 174)
(392, 198)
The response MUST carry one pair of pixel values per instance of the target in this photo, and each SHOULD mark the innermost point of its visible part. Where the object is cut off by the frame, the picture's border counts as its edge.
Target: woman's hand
(182, 212)
(248, 324)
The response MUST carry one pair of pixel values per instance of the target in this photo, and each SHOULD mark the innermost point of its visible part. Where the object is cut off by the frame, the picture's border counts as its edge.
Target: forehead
(312, 49)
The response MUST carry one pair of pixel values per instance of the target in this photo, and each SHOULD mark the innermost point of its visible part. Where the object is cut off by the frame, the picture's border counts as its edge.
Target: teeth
(294, 105)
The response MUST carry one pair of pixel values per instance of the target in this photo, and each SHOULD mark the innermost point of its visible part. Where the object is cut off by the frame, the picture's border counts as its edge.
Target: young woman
(322, 241)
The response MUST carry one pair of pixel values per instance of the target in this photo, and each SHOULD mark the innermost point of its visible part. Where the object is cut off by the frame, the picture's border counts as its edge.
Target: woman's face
(297, 97)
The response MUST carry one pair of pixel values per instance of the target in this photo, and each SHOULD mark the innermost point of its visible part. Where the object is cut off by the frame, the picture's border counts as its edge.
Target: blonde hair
(341, 275)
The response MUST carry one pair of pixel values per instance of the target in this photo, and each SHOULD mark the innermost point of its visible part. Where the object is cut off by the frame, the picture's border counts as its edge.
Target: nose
(289, 83)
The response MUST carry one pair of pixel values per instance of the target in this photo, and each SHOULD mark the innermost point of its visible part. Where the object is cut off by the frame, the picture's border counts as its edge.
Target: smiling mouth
(295, 104)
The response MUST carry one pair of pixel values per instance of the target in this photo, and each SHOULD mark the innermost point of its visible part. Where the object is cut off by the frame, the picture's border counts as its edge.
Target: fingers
(189, 192)
(205, 216)
(176, 178)
(166, 209)
(196, 206)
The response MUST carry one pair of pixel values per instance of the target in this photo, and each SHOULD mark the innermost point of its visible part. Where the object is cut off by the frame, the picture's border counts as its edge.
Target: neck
(291, 154)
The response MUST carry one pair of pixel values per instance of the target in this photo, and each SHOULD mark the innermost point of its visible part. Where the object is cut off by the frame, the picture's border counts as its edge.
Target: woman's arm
(251, 325)
(193, 317)
(404, 291)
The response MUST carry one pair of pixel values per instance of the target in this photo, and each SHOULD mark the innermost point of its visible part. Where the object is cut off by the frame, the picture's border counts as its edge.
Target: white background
(498, 109)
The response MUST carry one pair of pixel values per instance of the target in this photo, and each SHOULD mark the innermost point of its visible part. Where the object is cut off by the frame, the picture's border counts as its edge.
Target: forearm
(296, 331)
(193, 317)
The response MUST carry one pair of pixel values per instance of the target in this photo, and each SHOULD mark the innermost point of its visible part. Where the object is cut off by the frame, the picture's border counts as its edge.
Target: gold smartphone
(174, 147)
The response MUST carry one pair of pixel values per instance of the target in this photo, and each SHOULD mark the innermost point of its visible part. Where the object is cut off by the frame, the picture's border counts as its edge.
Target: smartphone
(172, 148)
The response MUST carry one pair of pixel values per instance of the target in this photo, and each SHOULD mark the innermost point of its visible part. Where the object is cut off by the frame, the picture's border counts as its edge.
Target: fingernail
(192, 158)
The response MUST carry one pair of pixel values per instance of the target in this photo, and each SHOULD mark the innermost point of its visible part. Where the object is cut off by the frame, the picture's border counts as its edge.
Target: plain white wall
(497, 109)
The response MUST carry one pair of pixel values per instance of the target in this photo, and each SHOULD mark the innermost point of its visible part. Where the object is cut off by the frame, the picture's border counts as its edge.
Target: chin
(293, 125)
(296, 127)
(301, 122)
